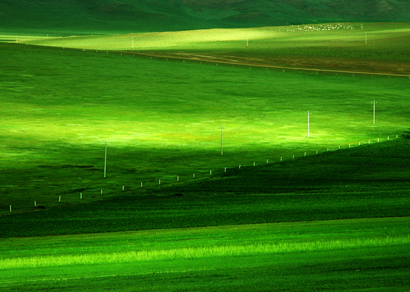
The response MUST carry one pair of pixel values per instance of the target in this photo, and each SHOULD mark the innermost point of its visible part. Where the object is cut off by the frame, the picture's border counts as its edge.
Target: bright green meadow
(354, 47)
(311, 193)
(162, 119)
(311, 256)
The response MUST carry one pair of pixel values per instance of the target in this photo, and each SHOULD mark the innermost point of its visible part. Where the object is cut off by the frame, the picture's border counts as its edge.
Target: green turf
(61, 106)
(162, 120)
(366, 47)
(293, 256)
(369, 181)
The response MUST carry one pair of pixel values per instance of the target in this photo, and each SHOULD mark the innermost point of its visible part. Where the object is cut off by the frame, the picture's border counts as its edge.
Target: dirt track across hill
(330, 65)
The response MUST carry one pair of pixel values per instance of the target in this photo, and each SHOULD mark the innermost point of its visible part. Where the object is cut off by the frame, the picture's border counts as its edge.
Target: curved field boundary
(216, 61)
(239, 63)
(214, 172)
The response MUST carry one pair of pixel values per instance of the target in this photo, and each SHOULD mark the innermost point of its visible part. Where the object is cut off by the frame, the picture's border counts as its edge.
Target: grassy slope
(150, 122)
(66, 17)
(78, 17)
(362, 182)
(346, 268)
(370, 253)
(337, 47)
(373, 254)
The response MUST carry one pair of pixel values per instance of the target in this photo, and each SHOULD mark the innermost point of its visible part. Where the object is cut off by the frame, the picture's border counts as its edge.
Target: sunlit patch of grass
(342, 40)
(61, 106)
(200, 252)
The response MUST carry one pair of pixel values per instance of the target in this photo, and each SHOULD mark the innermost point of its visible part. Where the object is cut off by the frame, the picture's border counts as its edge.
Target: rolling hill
(107, 16)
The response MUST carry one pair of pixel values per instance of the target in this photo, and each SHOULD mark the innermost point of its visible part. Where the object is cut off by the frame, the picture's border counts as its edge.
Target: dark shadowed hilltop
(160, 15)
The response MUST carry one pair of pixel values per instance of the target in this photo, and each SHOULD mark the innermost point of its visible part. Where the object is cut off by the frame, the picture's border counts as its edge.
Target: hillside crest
(163, 15)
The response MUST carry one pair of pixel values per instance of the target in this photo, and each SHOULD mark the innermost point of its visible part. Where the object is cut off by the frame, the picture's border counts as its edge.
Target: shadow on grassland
(368, 167)
(370, 181)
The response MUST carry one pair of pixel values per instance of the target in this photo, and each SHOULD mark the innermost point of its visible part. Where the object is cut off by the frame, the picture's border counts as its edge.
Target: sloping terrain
(160, 15)
(373, 48)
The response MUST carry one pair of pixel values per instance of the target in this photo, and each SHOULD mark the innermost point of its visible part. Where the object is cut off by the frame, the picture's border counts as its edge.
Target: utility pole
(374, 112)
(222, 140)
(105, 161)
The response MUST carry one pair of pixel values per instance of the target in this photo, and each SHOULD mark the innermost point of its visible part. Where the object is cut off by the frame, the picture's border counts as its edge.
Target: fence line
(238, 65)
(158, 183)
(198, 175)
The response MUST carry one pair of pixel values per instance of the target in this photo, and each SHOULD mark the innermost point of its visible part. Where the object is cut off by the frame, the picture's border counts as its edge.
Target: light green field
(321, 253)
(162, 119)
(354, 47)
(342, 34)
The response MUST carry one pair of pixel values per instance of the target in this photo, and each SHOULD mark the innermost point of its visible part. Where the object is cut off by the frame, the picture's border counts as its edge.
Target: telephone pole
(105, 161)
(222, 140)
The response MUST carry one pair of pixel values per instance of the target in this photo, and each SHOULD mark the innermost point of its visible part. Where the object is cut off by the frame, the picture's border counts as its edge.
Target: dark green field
(69, 17)
(369, 181)
(305, 231)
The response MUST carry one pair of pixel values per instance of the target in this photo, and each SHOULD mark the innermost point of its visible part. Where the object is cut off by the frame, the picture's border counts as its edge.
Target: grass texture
(162, 119)
(354, 47)
(187, 258)
(341, 216)
(369, 181)
(194, 253)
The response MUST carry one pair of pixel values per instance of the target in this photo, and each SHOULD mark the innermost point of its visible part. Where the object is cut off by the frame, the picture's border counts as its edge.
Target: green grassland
(162, 119)
(291, 212)
(369, 181)
(354, 47)
(338, 255)
(325, 248)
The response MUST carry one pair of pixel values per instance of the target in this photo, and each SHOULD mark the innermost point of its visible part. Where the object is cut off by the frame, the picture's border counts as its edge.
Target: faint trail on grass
(212, 59)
